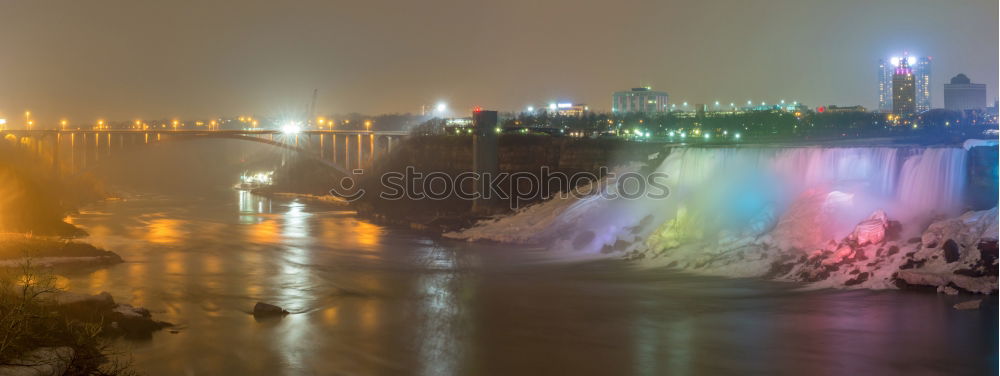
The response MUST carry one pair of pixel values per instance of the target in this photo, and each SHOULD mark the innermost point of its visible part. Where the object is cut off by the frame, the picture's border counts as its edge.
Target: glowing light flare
(291, 128)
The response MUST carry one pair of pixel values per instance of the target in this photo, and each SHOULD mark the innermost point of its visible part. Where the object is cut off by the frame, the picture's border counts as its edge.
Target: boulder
(871, 230)
(969, 305)
(947, 290)
(263, 310)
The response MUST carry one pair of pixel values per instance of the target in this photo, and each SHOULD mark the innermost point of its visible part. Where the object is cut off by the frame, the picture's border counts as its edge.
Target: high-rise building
(922, 78)
(921, 68)
(639, 100)
(884, 86)
(961, 94)
(904, 91)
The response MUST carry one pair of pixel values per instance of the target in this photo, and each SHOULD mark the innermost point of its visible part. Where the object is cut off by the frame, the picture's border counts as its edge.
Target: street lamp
(291, 128)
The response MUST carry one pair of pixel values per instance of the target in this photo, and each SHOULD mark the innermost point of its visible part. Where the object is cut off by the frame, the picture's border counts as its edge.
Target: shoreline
(17, 249)
(53, 330)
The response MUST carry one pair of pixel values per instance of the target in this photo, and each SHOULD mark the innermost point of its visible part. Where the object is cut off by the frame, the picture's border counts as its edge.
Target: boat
(250, 182)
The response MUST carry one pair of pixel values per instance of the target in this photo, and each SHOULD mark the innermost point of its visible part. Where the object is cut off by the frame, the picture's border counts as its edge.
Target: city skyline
(196, 63)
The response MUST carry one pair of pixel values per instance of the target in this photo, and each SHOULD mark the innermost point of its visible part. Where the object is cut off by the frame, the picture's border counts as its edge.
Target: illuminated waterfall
(739, 192)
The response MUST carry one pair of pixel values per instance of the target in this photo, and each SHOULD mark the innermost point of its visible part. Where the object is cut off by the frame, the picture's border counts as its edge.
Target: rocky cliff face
(528, 154)
(983, 179)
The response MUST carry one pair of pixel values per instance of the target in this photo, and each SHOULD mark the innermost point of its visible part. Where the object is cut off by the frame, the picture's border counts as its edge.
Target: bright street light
(291, 128)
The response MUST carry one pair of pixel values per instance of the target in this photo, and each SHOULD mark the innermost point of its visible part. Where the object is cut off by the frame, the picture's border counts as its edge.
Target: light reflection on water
(371, 300)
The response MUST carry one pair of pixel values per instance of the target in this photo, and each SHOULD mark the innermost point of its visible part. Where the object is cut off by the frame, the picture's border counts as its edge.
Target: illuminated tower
(904, 90)
(921, 68)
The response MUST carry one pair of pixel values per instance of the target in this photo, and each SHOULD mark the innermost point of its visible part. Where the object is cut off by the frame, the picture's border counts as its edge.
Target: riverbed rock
(264, 310)
(947, 290)
(969, 305)
(43, 361)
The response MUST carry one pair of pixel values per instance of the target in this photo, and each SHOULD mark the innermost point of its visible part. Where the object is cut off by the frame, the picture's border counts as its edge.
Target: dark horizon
(121, 60)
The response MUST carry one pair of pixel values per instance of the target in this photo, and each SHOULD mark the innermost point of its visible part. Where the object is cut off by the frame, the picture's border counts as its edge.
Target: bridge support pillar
(485, 161)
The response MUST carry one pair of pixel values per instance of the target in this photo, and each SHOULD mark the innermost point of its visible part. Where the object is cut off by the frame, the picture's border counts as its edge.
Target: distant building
(961, 94)
(922, 84)
(569, 109)
(904, 91)
(921, 69)
(639, 100)
(842, 109)
(884, 86)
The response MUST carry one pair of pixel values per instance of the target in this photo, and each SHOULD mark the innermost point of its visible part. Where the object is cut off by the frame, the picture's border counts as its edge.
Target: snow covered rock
(871, 230)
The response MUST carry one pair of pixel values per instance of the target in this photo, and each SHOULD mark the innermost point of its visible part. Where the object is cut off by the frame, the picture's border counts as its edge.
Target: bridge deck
(198, 132)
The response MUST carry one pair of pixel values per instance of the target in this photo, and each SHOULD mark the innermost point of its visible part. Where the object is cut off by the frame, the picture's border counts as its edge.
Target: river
(367, 299)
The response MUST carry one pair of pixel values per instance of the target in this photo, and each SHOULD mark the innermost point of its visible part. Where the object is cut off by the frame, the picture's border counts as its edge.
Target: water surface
(367, 299)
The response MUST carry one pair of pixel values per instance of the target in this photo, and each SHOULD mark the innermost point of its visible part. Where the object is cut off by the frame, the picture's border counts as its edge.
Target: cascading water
(719, 192)
(807, 213)
(933, 181)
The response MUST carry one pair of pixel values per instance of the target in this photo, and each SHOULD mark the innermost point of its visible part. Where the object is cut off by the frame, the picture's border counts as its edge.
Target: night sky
(85, 60)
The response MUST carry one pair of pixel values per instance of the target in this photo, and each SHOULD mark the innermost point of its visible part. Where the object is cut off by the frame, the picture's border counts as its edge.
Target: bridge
(343, 150)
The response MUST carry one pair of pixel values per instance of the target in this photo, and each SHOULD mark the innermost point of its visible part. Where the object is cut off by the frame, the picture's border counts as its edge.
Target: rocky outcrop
(119, 319)
(953, 255)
